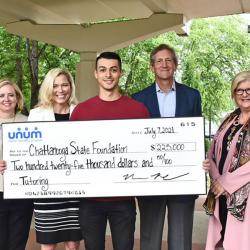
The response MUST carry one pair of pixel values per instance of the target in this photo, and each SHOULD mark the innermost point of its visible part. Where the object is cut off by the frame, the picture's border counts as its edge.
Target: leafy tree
(27, 61)
(209, 57)
(215, 51)
(135, 59)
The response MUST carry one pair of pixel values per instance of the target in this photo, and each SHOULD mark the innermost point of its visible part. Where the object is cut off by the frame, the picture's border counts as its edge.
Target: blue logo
(34, 134)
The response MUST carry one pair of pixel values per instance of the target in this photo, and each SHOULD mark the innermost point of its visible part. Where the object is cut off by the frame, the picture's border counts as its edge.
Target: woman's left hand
(217, 189)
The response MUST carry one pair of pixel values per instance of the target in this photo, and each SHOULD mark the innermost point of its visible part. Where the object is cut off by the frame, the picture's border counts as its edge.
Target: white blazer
(45, 114)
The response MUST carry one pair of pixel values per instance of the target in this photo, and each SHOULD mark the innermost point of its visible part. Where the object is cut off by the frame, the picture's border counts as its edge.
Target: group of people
(56, 220)
(71, 220)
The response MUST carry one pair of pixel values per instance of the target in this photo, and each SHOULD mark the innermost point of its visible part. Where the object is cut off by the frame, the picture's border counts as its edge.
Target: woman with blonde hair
(56, 220)
(15, 214)
(228, 200)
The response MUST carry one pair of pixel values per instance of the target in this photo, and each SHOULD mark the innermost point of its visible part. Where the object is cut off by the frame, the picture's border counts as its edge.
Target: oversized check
(105, 158)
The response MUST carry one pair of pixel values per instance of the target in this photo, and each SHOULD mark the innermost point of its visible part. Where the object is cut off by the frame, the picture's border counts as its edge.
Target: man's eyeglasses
(241, 91)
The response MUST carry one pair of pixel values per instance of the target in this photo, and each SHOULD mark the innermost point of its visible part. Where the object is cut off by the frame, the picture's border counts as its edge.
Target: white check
(134, 157)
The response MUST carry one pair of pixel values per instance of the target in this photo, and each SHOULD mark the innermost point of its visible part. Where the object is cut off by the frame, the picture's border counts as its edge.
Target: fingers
(214, 189)
(3, 166)
(218, 194)
(206, 165)
(217, 189)
(2, 170)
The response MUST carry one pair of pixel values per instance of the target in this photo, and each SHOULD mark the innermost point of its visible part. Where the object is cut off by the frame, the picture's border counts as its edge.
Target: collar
(173, 88)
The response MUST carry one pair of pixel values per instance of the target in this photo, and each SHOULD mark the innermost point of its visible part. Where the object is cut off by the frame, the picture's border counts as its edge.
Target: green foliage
(135, 59)
(48, 57)
(8, 54)
(57, 57)
(207, 144)
(216, 49)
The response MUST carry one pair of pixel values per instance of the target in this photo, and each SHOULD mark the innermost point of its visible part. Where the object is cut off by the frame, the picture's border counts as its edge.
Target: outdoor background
(213, 52)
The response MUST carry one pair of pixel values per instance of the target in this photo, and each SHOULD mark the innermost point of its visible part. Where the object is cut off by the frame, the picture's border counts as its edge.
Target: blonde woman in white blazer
(45, 114)
(56, 220)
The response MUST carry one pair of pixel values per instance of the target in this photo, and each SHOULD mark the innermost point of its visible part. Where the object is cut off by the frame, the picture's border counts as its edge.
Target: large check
(104, 158)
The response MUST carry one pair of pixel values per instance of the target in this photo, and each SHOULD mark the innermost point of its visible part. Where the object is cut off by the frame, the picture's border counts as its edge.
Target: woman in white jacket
(56, 220)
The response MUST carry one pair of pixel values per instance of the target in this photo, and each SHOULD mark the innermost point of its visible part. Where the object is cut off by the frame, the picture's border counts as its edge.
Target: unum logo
(19, 134)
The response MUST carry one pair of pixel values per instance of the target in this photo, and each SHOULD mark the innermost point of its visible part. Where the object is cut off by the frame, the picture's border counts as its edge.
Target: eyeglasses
(241, 91)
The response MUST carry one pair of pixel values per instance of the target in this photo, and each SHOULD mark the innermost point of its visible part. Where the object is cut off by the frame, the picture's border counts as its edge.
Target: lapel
(71, 108)
(180, 96)
(152, 101)
(48, 114)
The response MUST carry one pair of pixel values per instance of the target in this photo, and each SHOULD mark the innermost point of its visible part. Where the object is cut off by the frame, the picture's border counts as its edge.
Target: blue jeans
(93, 216)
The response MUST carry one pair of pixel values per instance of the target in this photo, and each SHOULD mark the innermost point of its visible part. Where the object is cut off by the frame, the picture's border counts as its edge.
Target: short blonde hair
(46, 90)
(239, 78)
(19, 95)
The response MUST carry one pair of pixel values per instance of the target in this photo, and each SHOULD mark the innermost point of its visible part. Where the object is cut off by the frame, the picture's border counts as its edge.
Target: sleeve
(32, 115)
(74, 116)
(213, 172)
(198, 109)
(139, 96)
(145, 112)
(232, 181)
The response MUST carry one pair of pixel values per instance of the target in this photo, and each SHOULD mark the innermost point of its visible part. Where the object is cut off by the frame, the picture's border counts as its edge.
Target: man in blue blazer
(167, 98)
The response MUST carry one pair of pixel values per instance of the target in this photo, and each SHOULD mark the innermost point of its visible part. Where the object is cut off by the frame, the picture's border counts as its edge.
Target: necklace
(236, 121)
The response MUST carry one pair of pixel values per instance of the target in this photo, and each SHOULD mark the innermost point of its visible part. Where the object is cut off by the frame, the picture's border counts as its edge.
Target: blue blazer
(188, 101)
(188, 104)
